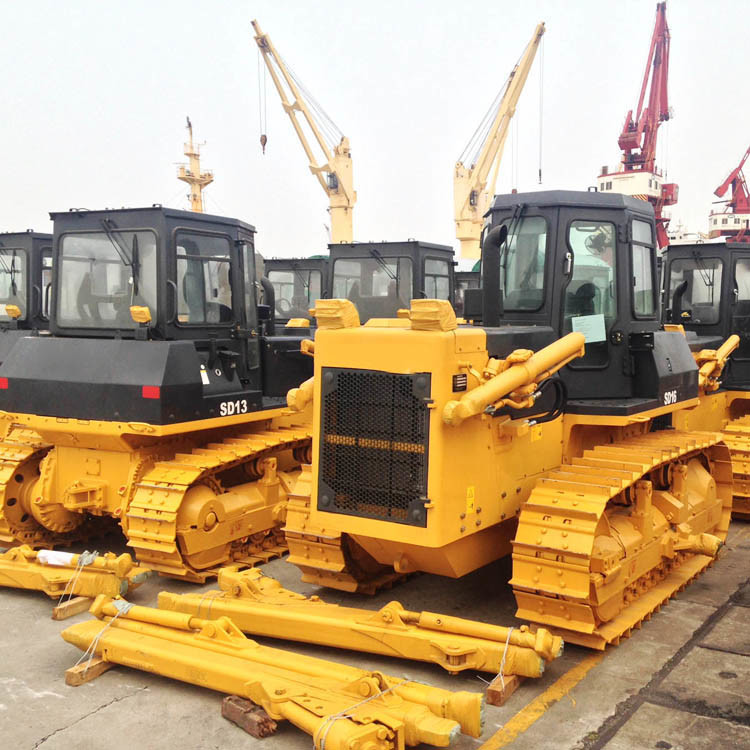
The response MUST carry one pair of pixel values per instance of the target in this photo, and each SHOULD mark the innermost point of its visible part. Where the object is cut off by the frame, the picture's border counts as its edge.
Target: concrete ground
(681, 682)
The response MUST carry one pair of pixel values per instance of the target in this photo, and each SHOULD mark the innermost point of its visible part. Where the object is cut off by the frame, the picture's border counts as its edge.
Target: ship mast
(192, 174)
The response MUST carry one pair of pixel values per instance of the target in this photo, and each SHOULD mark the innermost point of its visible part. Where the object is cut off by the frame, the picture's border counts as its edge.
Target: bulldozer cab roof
(572, 198)
(77, 218)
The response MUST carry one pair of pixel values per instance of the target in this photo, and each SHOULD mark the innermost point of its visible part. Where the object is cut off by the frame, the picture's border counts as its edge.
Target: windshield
(522, 264)
(103, 274)
(295, 291)
(378, 286)
(702, 292)
(12, 281)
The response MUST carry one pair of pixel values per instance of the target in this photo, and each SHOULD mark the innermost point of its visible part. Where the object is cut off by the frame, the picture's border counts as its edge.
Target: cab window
(436, 279)
(699, 279)
(590, 305)
(102, 275)
(642, 257)
(13, 281)
(46, 281)
(250, 282)
(522, 264)
(296, 290)
(204, 292)
(742, 280)
(377, 286)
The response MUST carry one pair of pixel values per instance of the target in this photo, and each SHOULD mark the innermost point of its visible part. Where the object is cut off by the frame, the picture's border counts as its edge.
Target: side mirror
(492, 302)
(13, 311)
(677, 314)
(140, 314)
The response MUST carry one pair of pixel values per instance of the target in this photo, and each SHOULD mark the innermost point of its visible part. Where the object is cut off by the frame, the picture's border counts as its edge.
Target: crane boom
(471, 195)
(734, 175)
(640, 132)
(637, 174)
(334, 174)
(733, 222)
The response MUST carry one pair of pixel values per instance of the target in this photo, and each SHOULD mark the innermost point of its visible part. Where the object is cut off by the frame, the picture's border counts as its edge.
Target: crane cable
(262, 102)
(471, 151)
(331, 132)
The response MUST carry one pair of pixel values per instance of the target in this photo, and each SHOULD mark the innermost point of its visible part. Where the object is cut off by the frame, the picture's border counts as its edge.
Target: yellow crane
(471, 195)
(335, 172)
(192, 174)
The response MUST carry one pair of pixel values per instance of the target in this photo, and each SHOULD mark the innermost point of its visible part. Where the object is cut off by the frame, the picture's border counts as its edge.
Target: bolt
(478, 522)
(463, 528)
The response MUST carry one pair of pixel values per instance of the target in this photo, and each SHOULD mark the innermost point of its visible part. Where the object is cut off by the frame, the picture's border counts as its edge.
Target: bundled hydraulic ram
(259, 605)
(58, 573)
(341, 707)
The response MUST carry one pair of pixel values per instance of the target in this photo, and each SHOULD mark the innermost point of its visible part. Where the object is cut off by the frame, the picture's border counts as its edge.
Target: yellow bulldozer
(157, 400)
(544, 429)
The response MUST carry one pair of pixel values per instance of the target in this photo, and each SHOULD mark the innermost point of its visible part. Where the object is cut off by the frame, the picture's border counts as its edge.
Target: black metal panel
(284, 365)
(504, 340)
(374, 444)
(664, 368)
(103, 379)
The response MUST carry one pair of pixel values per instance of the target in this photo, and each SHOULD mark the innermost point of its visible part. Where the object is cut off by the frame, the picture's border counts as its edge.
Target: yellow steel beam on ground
(62, 573)
(537, 708)
(341, 707)
(258, 604)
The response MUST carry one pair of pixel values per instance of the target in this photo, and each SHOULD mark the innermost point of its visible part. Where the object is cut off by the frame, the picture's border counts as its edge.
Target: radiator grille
(374, 441)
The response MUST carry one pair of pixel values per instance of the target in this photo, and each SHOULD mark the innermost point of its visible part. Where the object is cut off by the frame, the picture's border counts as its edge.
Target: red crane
(638, 175)
(739, 203)
(740, 200)
(639, 132)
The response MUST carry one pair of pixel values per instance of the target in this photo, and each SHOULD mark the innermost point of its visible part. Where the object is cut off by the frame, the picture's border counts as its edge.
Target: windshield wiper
(381, 261)
(120, 248)
(132, 262)
(305, 284)
(706, 273)
(513, 226)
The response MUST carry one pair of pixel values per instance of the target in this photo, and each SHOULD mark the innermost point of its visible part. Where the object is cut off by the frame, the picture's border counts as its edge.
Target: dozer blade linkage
(341, 707)
(62, 573)
(258, 605)
(604, 541)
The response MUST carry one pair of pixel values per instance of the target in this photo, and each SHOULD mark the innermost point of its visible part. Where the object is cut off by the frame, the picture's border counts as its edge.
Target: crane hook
(263, 141)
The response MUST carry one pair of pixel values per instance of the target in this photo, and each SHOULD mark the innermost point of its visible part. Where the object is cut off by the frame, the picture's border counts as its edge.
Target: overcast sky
(95, 96)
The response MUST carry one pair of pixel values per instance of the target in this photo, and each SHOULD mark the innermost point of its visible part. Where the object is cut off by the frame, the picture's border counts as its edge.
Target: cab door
(594, 255)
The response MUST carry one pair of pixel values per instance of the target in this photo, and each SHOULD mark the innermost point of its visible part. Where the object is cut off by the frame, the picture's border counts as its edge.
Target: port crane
(734, 221)
(638, 175)
(473, 188)
(334, 170)
(192, 174)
